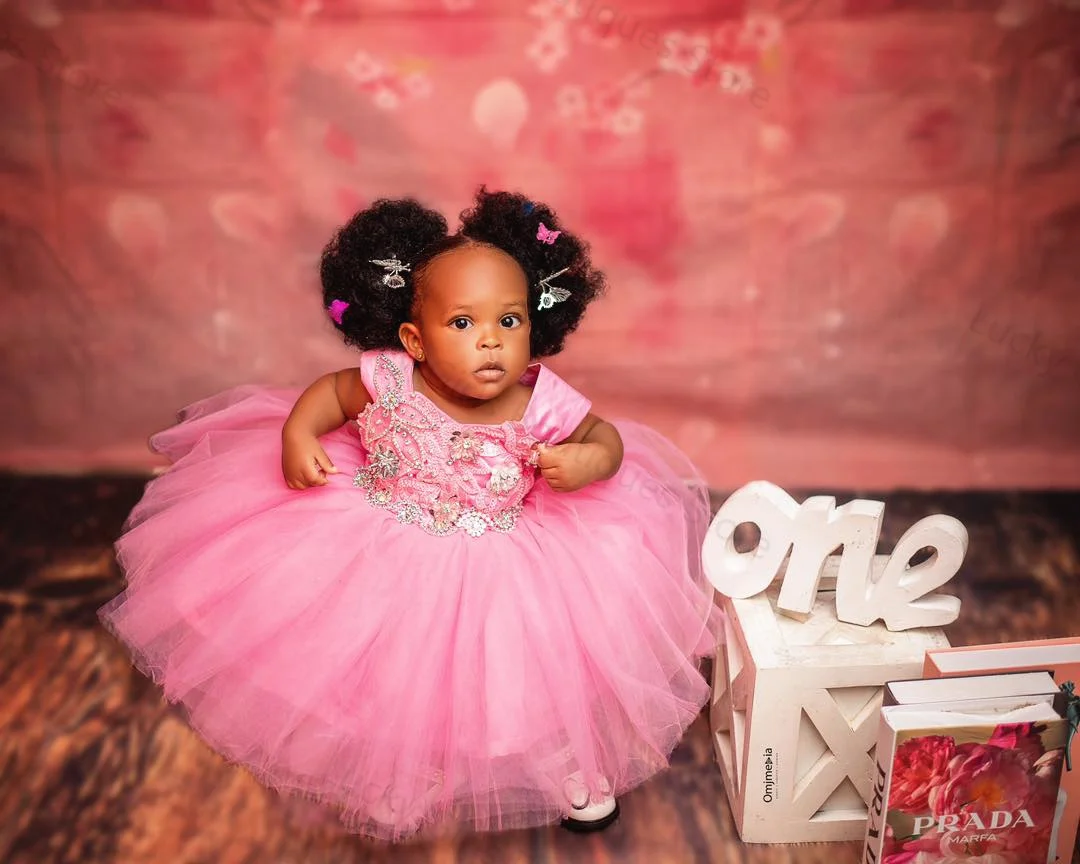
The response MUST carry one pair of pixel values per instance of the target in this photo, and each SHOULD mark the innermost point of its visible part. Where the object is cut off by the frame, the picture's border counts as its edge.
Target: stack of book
(1061, 657)
(970, 759)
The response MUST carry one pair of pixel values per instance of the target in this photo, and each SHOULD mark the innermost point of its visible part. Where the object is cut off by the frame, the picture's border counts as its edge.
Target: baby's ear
(409, 336)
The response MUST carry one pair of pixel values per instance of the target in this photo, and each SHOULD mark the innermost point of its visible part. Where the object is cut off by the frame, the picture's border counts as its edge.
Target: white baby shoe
(405, 817)
(587, 812)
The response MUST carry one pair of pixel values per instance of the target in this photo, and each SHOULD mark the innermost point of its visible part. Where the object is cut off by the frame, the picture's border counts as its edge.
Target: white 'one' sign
(815, 529)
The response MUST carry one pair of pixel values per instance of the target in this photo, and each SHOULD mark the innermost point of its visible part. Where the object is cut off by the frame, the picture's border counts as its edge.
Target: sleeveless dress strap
(386, 372)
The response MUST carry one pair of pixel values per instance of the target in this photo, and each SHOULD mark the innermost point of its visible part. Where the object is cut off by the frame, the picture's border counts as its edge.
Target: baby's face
(474, 320)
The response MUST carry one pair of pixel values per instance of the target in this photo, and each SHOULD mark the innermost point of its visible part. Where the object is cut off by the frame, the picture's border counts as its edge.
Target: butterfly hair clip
(393, 269)
(552, 294)
(546, 235)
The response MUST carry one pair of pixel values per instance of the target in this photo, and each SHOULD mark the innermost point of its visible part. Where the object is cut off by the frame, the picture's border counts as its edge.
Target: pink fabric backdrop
(841, 235)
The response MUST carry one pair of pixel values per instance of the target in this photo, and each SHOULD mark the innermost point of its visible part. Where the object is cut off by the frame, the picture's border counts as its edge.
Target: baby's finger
(550, 456)
(323, 461)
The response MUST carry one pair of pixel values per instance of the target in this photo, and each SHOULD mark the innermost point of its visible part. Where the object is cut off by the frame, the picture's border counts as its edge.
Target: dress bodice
(446, 476)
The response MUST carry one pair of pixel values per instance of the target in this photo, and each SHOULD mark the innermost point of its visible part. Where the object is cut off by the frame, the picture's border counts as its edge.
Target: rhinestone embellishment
(389, 400)
(463, 447)
(434, 480)
(445, 514)
(384, 462)
(409, 512)
(472, 523)
(504, 478)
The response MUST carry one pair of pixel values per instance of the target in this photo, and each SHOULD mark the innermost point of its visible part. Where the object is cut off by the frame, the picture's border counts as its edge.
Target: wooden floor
(95, 768)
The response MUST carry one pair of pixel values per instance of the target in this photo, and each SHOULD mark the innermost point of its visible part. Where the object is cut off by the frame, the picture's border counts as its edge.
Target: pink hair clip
(337, 310)
(546, 235)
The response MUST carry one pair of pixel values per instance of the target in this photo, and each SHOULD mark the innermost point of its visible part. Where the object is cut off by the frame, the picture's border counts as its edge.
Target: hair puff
(511, 222)
(399, 228)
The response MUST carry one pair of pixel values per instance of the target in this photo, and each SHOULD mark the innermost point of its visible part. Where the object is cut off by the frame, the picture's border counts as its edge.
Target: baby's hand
(304, 462)
(569, 467)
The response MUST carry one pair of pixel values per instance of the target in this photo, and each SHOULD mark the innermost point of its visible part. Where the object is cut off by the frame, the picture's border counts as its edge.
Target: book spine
(874, 840)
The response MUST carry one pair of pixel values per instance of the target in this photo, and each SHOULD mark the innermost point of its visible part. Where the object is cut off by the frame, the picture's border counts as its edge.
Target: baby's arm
(330, 402)
(594, 451)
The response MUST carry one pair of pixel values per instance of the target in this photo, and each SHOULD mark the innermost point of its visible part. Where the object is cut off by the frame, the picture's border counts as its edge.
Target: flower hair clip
(552, 294)
(393, 269)
(336, 309)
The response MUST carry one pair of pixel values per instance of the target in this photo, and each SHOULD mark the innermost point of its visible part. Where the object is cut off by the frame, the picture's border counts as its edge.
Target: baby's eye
(460, 323)
(510, 321)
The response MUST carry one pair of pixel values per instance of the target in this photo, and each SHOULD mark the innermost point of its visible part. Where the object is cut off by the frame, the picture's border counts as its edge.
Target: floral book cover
(987, 794)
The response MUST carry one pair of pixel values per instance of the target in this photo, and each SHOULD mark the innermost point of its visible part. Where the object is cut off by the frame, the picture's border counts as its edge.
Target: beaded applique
(435, 473)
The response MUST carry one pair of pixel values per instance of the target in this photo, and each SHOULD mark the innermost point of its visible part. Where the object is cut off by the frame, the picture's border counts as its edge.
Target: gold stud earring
(420, 356)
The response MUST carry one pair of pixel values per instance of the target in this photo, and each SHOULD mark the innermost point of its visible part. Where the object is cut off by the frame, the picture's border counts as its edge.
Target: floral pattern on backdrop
(839, 232)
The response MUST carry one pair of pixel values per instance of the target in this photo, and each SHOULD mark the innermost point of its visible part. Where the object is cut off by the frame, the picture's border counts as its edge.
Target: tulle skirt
(405, 679)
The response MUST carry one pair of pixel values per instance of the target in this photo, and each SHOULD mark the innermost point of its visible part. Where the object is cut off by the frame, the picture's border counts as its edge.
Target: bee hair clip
(394, 269)
(552, 294)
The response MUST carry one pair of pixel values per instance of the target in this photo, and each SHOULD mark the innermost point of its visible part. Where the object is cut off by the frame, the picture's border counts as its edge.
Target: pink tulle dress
(435, 634)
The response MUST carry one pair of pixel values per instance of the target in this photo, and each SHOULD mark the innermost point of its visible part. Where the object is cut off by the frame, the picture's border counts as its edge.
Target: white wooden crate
(795, 713)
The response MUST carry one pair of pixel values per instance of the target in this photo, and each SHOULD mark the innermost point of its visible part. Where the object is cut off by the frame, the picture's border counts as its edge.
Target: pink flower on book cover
(990, 802)
(922, 850)
(1048, 766)
(934, 858)
(947, 841)
(921, 764)
(892, 849)
(1022, 737)
(983, 779)
(1040, 806)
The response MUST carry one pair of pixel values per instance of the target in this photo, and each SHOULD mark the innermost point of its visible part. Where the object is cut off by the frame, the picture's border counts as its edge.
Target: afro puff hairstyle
(405, 230)
(511, 222)
(401, 229)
